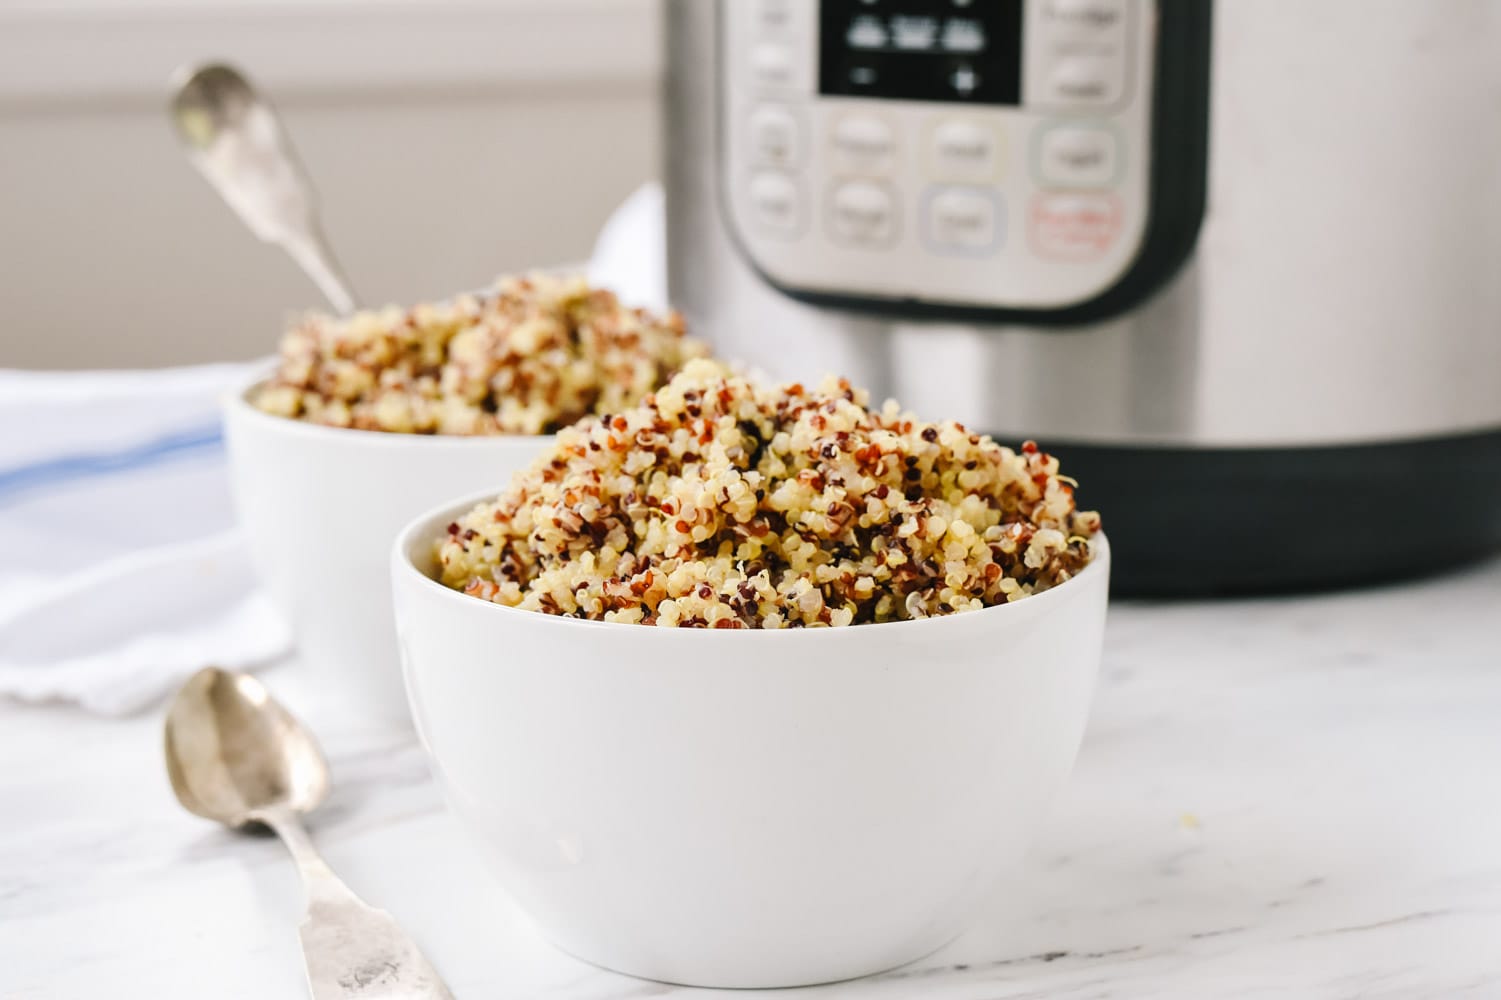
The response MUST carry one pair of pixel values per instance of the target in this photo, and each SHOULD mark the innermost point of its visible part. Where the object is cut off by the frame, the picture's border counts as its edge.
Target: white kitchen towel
(120, 570)
(114, 638)
(630, 254)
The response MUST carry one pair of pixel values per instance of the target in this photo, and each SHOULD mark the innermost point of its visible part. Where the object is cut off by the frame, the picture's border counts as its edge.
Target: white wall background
(449, 141)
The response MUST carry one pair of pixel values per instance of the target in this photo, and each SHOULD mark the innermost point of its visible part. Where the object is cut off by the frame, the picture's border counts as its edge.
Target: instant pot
(1237, 264)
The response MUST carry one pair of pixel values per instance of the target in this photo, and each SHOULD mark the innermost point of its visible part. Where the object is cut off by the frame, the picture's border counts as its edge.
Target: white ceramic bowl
(319, 507)
(743, 808)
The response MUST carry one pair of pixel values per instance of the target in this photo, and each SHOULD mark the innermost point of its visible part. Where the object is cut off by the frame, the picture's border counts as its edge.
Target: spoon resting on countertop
(237, 757)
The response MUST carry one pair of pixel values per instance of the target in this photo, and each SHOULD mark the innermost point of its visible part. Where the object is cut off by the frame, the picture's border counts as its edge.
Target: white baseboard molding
(65, 52)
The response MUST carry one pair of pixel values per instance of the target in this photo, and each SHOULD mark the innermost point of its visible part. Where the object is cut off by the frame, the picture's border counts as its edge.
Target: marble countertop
(1289, 797)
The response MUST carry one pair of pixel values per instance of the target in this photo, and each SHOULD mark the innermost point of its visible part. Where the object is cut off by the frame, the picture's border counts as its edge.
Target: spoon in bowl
(237, 757)
(236, 141)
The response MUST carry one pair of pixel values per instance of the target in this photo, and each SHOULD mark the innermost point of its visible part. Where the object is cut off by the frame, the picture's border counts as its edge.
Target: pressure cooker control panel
(982, 154)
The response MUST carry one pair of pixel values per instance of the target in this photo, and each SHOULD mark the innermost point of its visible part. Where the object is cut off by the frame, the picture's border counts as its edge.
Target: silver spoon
(234, 755)
(236, 141)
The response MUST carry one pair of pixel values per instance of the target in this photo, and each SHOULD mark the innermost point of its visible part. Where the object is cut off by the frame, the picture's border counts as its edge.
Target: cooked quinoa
(531, 355)
(720, 503)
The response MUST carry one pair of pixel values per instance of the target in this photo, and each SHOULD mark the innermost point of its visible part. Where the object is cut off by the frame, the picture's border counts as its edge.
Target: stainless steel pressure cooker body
(1238, 264)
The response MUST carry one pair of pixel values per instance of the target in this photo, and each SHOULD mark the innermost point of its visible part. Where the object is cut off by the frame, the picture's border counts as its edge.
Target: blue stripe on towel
(54, 471)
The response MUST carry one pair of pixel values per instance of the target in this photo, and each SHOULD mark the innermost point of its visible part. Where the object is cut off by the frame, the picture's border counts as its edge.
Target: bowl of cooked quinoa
(364, 421)
(754, 685)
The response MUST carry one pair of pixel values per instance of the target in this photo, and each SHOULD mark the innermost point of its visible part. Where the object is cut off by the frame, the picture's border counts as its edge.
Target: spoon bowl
(235, 754)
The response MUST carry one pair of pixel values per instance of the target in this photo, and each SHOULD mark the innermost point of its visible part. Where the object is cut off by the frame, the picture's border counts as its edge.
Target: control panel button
(1088, 80)
(863, 213)
(1074, 226)
(962, 220)
(772, 64)
(864, 142)
(774, 15)
(965, 79)
(965, 150)
(775, 138)
(776, 203)
(1084, 18)
(1077, 156)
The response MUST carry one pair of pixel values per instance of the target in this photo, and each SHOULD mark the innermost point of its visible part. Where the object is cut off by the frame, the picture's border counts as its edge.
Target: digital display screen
(968, 51)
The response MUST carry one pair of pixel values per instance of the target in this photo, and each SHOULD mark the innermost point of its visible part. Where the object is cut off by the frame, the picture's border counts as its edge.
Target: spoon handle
(309, 248)
(351, 949)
